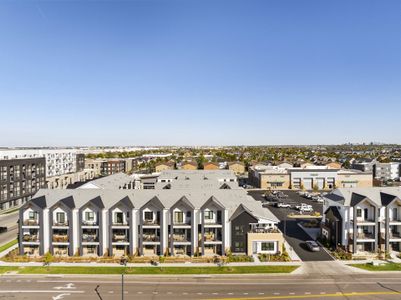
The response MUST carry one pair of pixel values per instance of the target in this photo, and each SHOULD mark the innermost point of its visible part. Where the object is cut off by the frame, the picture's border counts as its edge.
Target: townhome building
(363, 220)
(94, 222)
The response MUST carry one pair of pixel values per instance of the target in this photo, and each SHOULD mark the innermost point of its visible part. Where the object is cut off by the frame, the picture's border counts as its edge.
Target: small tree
(48, 258)
(315, 188)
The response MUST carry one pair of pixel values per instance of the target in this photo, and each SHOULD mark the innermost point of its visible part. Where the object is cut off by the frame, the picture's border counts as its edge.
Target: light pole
(122, 286)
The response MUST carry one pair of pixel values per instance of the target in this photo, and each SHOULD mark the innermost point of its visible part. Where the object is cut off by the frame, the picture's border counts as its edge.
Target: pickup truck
(304, 207)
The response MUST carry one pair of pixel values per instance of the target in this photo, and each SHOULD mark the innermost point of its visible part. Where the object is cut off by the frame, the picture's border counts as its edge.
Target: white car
(284, 205)
(304, 207)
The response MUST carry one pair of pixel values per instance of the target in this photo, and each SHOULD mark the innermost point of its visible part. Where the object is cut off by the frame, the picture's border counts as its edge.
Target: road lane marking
(60, 296)
(338, 294)
(36, 291)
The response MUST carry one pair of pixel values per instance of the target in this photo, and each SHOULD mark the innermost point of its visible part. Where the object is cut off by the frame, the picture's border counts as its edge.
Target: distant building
(237, 167)
(310, 177)
(386, 171)
(211, 166)
(20, 179)
(333, 165)
(170, 165)
(189, 165)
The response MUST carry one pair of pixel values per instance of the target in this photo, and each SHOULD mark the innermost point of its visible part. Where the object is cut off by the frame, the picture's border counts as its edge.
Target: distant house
(211, 166)
(285, 165)
(333, 165)
(170, 165)
(189, 165)
(237, 167)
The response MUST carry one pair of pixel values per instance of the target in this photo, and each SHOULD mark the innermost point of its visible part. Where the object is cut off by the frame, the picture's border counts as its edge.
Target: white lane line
(245, 293)
(169, 293)
(155, 293)
(307, 293)
(199, 293)
(291, 293)
(185, 293)
(139, 292)
(111, 292)
(230, 293)
(276, 293)
(322, 293)
(215, 293)
(37, 291)
(261, 293)
(125, 292)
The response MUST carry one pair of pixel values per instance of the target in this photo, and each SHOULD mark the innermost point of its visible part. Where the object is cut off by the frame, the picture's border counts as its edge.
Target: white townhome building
(147, 222)
(363, 220)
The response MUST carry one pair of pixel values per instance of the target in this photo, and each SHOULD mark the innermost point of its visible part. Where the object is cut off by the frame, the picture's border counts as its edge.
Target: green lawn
(150, 270)
(8, 245)
(384, 267)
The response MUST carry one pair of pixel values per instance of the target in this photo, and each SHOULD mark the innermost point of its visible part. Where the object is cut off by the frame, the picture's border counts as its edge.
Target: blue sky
(190, 72)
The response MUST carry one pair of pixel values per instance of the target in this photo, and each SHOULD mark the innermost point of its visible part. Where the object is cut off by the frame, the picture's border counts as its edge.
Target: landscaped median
(387, 266)
(160, 270)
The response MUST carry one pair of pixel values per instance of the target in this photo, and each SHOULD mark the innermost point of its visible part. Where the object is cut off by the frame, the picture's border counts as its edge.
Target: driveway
(294, 235)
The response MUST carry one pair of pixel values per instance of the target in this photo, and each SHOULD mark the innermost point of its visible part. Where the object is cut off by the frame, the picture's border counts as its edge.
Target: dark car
(312, 246)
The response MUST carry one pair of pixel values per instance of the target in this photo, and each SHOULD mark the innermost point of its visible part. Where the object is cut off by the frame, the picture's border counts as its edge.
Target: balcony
(366, 220)
(60, 224)
(181, 238)
(89, 223)
(89, 238)
(151, 238)
(119, 238)
(182, 223)
(151, 222)
(365, 236)
(31, 222)
(211, 237)
(31, 238)
(394, 235)
(120, 224)
(264, 230)
(58, 238)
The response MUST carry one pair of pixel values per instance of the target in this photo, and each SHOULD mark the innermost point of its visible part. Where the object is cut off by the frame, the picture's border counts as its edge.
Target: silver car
(312, 246)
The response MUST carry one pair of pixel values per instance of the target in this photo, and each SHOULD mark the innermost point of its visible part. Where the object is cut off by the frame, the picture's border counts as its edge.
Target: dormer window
(208, 215)
(359, 213)
(89, 216)
(148, 215)
(33, 215)
(178, 217)
(119, 217)
(60, 217)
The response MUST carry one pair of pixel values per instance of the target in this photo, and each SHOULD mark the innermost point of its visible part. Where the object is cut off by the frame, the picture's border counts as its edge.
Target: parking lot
(295, 235)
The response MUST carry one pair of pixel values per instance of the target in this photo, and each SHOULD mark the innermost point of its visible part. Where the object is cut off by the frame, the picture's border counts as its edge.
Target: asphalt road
(375, 286)
(9, 221)
(294, 235)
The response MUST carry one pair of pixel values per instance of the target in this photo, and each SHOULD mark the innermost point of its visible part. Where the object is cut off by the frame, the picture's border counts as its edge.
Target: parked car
(304, 207)
(312, 246)
(283, 205)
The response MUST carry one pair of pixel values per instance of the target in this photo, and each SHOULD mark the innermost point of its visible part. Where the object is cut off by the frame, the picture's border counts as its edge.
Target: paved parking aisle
(294, 235)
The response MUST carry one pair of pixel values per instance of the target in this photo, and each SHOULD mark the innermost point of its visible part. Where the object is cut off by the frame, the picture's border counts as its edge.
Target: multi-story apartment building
(147, 222)
(386, 171)
(20, 179)
(363, 220)
(58, 161)
(308, 178)
(106, 167)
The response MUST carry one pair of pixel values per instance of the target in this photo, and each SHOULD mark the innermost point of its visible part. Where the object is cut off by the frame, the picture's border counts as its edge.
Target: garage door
(308, 183)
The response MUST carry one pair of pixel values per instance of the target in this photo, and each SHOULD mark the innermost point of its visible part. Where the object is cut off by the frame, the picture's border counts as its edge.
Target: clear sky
(204, 72)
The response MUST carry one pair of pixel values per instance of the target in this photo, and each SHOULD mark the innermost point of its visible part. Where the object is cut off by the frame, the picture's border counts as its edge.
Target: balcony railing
(264, 230)
(90, 238)
(119, 238)
(181, 238)
(394, 235)
(367, 220)
(151, 222)
(30, 238)
(120, 224)
(151, 238)
(364, 236)
(65, 223)
(60, 238)
(187, 222)
(89, 223)
(31, 222)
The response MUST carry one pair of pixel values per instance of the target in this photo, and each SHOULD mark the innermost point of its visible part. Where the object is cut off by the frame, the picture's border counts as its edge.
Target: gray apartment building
(20, 179)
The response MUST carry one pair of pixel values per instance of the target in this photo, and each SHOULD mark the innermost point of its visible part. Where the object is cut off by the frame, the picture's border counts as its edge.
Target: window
(359, 213)
(60, 217)
(395, 213)
(89, 216)
(149, 215)
(119, 217)
(239, 247)
(33, 215)
(208, 215)
(239, 230)
(178, 217)
(267, 246)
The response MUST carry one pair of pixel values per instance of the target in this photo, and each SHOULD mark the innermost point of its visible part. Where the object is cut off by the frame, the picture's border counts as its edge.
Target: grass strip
(149, 270)
(8, 245)
(384, 267)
